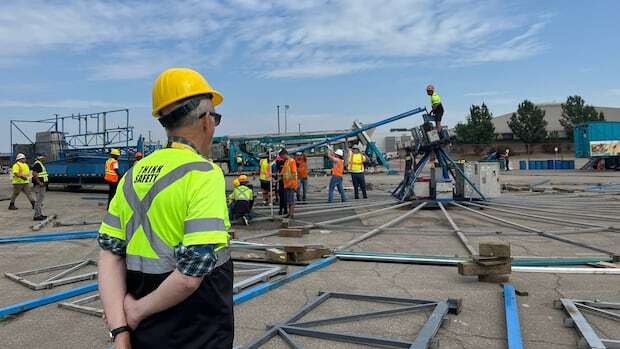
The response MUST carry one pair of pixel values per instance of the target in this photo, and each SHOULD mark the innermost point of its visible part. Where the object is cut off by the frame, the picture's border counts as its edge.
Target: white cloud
(277, 38)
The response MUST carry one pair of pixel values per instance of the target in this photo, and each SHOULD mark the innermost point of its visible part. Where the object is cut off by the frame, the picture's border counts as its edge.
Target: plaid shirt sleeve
(112, 244)
(195, 260)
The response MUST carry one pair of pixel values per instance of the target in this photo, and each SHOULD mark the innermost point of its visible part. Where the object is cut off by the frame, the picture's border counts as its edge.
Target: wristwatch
(115, 332)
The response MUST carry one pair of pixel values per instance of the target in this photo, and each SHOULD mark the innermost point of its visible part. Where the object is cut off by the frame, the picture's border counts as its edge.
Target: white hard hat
(20, 156)
(339, 152)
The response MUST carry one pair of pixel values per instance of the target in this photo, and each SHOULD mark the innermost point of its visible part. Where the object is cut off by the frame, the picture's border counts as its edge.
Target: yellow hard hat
(236, 183)
(176, 84)
(243, 178)
(115, 152)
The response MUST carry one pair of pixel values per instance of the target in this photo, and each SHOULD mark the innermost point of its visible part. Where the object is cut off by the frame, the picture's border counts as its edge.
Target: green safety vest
(435, 99)
(43, 173)
(242, 193)
(23, 170)
(174, 196)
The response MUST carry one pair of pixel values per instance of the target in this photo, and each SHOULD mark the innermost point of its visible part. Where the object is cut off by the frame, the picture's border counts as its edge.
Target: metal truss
(424, 339)
(589, 338)
(256, 273)
(55, 280)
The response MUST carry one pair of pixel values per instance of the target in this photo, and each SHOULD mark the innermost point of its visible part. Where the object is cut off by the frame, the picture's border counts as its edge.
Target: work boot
(32, 203)
(12, 206)
(39, 218)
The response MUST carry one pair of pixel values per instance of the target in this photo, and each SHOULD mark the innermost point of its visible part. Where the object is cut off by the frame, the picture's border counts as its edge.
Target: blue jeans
(336, 182)
(301, 188)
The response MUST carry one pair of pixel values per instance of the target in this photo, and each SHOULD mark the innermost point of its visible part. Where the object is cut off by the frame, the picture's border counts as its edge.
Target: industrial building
(553, 114)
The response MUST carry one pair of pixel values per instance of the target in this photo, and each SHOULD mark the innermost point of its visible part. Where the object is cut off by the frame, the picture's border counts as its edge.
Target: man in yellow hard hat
(165, 273)
(21, 180)
(436, 106)
(112, 175)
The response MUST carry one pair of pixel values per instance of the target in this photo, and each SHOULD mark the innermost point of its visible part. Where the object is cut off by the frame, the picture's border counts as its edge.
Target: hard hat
(356, 146)
(176, 84)
(235, 182)
(139, 155)
(339, 152)
(298, 153)
(20, 156)
(243, 178)
(115, 152)
(430, 88)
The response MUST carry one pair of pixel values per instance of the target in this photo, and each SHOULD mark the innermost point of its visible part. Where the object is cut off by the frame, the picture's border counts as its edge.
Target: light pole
(278, 108)
(299, 128)
(286, 108)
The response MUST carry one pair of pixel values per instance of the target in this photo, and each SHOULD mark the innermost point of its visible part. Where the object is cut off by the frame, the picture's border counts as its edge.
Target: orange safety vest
(289, 174)
(337, 167)
(111, 174)
(302, 167)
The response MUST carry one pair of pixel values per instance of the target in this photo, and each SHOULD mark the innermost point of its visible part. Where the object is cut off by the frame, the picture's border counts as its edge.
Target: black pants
(111, 192)
(282, 195)
(205, 320)
(359, 182)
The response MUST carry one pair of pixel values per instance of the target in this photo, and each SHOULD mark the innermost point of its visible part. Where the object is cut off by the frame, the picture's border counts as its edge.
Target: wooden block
(275, 254)
(488, 261)
(285, 223)
(496, 279)
(295, 248)
(471, 269)
(494, 249)
(311, 254)
(233, 234)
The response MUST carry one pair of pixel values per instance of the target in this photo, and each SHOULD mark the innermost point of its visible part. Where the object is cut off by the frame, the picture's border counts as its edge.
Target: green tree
(478, 128)
(576, 111)
(529, 124)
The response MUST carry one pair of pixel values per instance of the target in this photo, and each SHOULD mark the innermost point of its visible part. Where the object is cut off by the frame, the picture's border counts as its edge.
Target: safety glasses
(216, 117)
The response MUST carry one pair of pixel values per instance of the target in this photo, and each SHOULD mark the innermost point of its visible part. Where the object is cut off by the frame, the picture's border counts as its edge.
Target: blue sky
(331, 61)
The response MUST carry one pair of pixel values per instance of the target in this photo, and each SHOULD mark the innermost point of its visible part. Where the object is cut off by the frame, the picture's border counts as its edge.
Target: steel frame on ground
(589, 338)
(423, 340)
(258, 273)
(56, 280)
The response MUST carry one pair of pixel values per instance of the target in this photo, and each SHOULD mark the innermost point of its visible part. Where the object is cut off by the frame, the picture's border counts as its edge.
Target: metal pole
(278, 108)
(378, 230)
(270, 185)
(457, 231)
(544, 218)
(538, 231)
(299, 128)
(286, 107)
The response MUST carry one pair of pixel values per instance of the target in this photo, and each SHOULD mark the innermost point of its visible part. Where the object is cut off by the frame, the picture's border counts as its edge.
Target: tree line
(528, 123)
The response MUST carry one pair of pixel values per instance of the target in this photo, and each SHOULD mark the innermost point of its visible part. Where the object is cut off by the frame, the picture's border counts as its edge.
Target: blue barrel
(565, 164)
(531, 165)
(522, 165)
(571, 164)
(550, 164)
(558, 164)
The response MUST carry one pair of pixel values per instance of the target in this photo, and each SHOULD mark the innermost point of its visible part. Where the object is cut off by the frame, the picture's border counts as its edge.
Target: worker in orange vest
(337, 171)
(289, 180)
(302, 171)
(112, 175)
